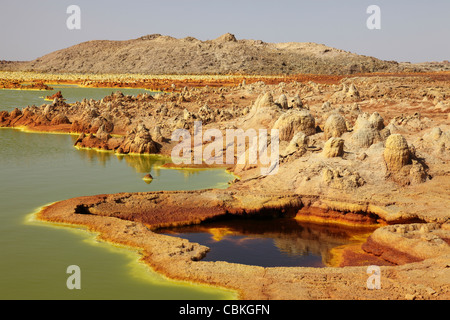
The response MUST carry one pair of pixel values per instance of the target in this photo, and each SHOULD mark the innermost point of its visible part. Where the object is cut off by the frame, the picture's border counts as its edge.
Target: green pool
(37, 169)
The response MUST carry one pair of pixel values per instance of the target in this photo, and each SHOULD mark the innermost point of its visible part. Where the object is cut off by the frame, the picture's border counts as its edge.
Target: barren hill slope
(157, 54)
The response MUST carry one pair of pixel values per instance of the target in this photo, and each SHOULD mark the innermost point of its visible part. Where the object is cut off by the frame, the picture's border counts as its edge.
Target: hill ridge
(160, 54)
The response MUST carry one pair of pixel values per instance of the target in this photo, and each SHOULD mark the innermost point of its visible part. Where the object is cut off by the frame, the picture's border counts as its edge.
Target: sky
(411, 31)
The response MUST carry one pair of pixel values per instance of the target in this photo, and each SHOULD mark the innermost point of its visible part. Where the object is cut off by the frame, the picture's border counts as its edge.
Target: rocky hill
(157, 54)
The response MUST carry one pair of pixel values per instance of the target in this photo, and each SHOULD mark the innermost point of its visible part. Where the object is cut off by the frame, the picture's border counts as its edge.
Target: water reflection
(144, 164)
(171, 178)
(270, 243)
(140, 163)
(94, 156)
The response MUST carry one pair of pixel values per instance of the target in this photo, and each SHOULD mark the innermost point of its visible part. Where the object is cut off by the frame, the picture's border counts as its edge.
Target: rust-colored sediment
(324, 216)
(170, 84)
(354, 255)
(35, 85)
(388, 254)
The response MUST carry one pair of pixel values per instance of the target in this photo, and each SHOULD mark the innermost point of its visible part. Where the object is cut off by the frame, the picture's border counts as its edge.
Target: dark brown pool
(283, 242)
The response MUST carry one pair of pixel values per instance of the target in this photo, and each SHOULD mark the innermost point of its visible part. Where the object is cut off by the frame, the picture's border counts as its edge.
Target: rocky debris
(206, 114)
(418, 173)
(85, 122)
(352, 92)
(225, 115)
(79, 139)
(32, 116)
(376, 121)
(42, 120)
(436, 142)
(346, 93)
(227, 37)
(4, 115)
(326, 106)
(90, 141)
(365, 120)
(60, 119)
(294, 121)
(438, 136)
(396, 153)
(282, 101)
(435, 134)
(295, 102)
(369, 130)
(139, 140)
(365, 137)
(298, 144)
(49, 109)
(334, 147)
(342, 180)
(102, 133)
(408, 123)
(15, 114)
(402, 163)
(58, 96)
(157, 134)
(264, 101)
(335, 126)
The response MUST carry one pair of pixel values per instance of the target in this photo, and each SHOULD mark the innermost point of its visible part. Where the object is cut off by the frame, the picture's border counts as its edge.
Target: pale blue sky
(411, 30)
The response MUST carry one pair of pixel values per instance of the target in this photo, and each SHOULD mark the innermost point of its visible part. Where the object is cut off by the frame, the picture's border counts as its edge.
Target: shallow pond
(283, 242)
